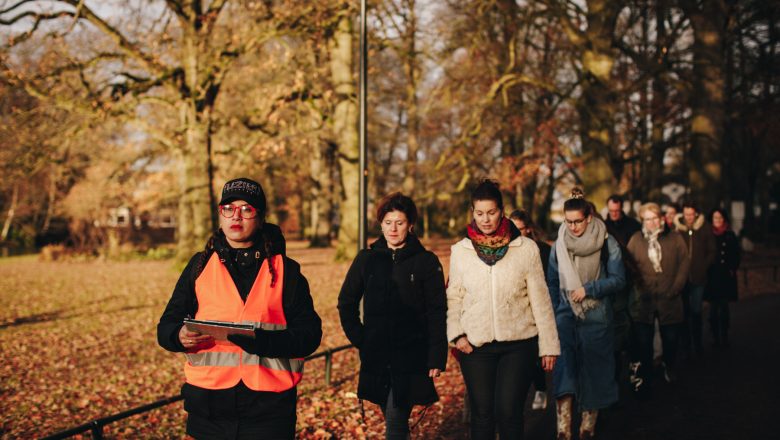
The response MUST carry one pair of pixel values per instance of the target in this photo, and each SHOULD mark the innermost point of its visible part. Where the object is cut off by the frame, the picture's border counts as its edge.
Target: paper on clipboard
(219, 330)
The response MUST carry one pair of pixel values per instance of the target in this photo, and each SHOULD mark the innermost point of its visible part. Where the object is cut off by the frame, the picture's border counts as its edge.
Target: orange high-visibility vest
(225, 364)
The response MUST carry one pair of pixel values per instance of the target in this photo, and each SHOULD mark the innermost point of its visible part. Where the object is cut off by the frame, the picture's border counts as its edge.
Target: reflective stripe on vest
(224, 364)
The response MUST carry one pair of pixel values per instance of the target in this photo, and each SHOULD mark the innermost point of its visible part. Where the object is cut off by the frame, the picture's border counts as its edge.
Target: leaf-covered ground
(78, 342)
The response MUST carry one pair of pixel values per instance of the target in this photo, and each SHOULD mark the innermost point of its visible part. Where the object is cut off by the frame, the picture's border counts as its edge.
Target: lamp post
(363, 204)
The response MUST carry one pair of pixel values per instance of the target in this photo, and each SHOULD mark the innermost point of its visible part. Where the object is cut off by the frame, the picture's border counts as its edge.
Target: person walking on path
(662, 262)
(585, 272)
(619, 225)
(243, 388)
(700, 241)
(672, 209)
(622, 227)
(524, 223)
(722, 276)
(402, 337)
(499, 316)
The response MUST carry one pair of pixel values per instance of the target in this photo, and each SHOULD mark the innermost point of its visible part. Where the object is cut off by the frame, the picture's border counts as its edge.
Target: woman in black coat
(402, 337)
(722, 276)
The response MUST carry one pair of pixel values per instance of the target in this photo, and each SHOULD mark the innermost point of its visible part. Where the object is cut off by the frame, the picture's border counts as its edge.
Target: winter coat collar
(269, 231)
(679, 223)
(411, 248)
(466, 242)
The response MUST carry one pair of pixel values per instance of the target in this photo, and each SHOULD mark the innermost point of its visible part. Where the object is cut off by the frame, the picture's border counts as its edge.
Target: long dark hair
(260, 236)
(523, 216)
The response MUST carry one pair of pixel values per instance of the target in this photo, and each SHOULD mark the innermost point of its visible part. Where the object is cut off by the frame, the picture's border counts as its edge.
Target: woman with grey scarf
(584, 274)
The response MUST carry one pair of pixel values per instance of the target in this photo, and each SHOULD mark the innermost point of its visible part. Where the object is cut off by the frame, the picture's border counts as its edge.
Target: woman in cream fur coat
(499, 316)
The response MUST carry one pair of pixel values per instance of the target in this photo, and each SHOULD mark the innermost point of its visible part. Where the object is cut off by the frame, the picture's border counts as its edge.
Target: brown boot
(588, 424)
(563, 411)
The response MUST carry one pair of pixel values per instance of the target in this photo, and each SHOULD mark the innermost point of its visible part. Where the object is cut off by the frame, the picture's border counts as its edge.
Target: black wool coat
(722, 274)
(403, 333)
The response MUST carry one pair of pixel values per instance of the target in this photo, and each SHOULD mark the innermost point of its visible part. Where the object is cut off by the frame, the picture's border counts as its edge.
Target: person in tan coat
(662, 261)
(499, 316)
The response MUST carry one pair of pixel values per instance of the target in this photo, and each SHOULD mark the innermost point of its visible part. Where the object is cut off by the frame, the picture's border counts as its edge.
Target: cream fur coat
(505, 302)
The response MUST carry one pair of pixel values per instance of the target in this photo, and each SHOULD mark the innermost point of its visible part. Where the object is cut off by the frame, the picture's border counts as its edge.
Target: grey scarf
(579, 261)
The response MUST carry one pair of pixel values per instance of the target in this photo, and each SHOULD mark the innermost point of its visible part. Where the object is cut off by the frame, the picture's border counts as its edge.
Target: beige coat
(504, 302)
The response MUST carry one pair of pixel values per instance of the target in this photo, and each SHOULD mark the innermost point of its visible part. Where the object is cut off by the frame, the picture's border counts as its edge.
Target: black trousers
(498, 376)
(670, 336)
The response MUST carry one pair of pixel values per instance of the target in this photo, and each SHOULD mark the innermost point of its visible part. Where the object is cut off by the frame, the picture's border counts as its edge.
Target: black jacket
(622, 229)
(301, 338)
(404, 332)
(722, 274)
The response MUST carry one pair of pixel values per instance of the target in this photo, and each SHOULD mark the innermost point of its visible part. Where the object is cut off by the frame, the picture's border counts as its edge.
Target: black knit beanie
(244, 189)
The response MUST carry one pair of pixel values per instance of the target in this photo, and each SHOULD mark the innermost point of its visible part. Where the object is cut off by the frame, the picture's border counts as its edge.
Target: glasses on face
(244, 211)
(651, 219)
(574, 222)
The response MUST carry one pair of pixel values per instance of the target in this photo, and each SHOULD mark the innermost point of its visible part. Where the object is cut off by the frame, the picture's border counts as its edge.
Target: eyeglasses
(244, 211)
(651, 219)
(574, 222)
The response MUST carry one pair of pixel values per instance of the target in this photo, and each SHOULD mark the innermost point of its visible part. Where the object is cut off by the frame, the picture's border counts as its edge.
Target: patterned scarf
(493, 247)
(654, 247)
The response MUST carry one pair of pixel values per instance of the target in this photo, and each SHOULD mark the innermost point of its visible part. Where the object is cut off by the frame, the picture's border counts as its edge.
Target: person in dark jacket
(402, 337)
(243, 263)
(722, 276)
(697, 232)
(522, 219)
(622, 227)
(619, 225)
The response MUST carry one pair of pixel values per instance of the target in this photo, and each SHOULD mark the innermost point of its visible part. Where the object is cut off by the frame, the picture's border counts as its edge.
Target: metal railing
(95, 427)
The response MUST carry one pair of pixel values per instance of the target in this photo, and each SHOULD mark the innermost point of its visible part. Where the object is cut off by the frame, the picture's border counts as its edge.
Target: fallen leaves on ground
(78, 342)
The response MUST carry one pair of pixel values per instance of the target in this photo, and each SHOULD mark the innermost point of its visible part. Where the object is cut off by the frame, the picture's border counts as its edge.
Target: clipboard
(219, 330)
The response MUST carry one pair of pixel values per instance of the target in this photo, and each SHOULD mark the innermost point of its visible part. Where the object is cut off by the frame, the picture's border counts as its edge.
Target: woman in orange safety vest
(244, 387)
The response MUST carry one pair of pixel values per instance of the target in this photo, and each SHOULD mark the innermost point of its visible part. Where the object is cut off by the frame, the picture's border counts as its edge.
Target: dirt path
(731, 394)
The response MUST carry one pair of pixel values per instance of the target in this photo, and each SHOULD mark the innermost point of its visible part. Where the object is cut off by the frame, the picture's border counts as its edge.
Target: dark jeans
(720, 319)
(693, 297)
(670, 335)
(396, 419)
(498, 376)
(203, 428)
(540, 380)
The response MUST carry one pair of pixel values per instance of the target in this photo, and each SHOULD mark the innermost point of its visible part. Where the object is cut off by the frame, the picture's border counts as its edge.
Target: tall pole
(362, 220)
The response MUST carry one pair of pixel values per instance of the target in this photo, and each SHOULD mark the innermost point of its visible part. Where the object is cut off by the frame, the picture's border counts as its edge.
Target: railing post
(328, 366)
(97, 430)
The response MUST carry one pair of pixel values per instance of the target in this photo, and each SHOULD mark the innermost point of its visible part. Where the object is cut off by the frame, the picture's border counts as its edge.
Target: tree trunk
(320, 206)
(597, 104)
(658, 105)
(411, 70)
(50, 197)
(9, 216)
(707, 103)
(345, 129)
(196, 220)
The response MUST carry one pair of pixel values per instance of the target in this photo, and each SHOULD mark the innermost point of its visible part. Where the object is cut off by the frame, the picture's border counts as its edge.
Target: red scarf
(719, 231)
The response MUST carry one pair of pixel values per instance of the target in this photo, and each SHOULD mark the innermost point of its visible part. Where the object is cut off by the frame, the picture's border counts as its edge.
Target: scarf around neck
(579, 261)
(491, 248)
(721, 230)
(654, 247)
